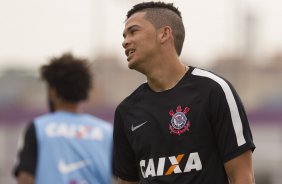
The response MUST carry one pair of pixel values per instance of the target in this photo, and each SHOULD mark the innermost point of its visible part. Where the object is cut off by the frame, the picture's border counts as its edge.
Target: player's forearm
(244, 180)
(240, 170)
(25, 178)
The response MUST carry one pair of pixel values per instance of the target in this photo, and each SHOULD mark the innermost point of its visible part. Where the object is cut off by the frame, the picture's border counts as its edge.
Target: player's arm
(25, 178)
(233, 134)
(240, 170)
(25, 168)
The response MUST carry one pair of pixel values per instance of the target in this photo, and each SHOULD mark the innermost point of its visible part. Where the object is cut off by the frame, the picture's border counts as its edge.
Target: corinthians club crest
(179, 122)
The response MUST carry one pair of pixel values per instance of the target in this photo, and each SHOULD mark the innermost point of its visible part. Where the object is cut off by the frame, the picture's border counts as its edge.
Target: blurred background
(240, 40)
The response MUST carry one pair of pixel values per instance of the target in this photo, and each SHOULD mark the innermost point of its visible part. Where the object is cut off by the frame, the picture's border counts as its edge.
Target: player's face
(140, 41)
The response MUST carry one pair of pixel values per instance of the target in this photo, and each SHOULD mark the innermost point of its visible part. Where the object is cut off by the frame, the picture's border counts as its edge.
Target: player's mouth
(129, 52)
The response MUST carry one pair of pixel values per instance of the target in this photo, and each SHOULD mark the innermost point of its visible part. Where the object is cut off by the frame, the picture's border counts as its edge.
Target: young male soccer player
(185, 125)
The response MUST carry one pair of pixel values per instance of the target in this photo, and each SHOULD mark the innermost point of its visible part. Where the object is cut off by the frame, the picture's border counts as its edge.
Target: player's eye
(133, 31)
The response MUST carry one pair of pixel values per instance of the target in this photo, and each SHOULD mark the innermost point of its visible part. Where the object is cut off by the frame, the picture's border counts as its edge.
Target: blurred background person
(66, 145)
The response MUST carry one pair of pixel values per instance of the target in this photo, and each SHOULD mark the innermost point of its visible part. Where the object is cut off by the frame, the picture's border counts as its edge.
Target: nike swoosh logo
(67, 168)
(133, 128)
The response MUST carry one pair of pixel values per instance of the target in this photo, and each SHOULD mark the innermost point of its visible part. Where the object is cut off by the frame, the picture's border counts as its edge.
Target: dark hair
(163, 14)
(71, 77)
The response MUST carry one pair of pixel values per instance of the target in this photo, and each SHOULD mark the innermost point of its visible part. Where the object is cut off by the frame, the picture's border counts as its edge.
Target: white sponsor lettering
(161, 164)
(173, 161)
(142, 165)
(150, 169)
(193, 162)
(73, 131)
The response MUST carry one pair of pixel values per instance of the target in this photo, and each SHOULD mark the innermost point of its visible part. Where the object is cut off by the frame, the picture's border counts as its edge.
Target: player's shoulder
(98, 121)
(209, 79)
(43, 117)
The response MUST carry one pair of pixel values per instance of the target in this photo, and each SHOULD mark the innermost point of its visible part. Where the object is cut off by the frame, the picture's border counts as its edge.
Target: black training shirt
(182, 135)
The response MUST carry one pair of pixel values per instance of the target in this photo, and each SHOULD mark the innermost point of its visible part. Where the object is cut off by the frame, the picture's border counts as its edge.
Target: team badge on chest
(179, 122)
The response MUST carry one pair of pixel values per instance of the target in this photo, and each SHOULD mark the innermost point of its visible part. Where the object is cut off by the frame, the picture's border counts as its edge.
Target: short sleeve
(229, 122)
(124, 163)
(27, 156)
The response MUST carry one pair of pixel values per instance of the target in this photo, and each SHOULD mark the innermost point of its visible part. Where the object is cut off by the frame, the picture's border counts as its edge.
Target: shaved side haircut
(162, 14)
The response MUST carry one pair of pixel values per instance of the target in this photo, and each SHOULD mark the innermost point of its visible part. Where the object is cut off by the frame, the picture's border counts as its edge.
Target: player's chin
(132, 65)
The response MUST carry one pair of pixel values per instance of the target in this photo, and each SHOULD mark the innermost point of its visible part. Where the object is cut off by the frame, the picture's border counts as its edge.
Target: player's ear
(165, 33)
(51, 92)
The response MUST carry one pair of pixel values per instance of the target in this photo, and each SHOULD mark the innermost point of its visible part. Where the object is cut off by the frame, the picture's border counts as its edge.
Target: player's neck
(68, 107)
(166, 77)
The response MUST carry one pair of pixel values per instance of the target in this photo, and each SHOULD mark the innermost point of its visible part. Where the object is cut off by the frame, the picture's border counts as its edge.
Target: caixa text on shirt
(86, 132)
(149, 169)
